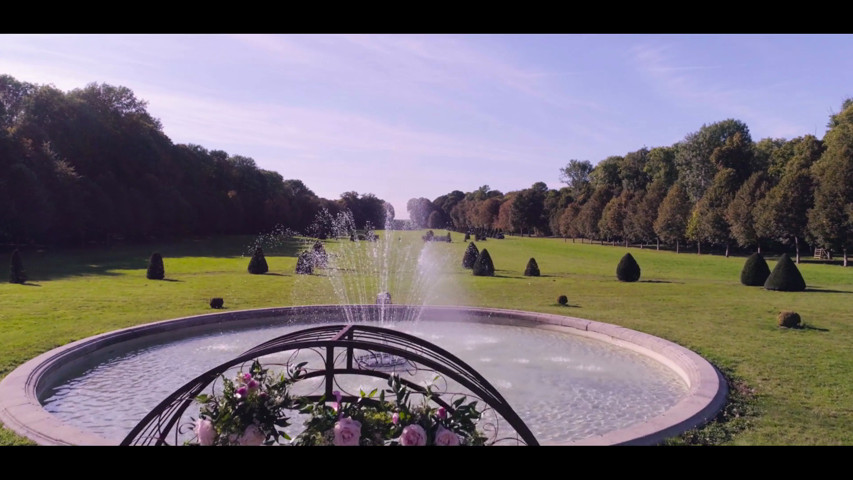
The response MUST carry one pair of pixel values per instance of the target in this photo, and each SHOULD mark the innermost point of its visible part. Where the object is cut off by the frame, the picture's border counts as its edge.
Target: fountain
(572, 380)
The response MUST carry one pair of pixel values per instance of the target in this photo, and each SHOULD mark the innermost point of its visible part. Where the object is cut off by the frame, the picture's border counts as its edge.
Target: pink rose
(446, 438)
(347, 432)
(205, 432)
(395, 419)
(413, 435)
(252, 436)
(442, 412)
(252, 385)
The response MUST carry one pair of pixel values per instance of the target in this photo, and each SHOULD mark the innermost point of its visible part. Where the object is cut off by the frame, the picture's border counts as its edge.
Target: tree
(740, 213)
(258, 263)
(611, 226)
(576, 175)
(17, 274)
(434, 220)
(671, 222)
(156, 269)
(709, 216)
(590, 213)
(831, 219)
(419, 210)
(696, 170)
(484, 267)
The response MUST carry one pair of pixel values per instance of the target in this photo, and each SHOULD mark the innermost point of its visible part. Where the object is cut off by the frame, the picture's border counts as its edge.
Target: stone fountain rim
(22, 412)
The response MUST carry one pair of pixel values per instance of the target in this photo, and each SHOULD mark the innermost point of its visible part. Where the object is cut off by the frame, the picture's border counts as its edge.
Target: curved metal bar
(155, 427)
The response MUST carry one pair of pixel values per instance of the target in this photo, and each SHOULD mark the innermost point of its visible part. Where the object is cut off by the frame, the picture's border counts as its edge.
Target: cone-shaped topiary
(785, 277)
(305, 263)
(628, 270)
(789, 320)
(532, 269)
(448, 238)
(320, 257)
(755, 271)
(471, 254)
(17, 274)
(156, 270)
(563, 300)
(258, 263)
(484, 267)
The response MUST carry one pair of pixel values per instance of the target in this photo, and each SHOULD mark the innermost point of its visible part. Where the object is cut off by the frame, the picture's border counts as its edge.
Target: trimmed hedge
(628, 270)
(484, 267)
(755, 271)
(258, 263)
(156, 269)
(471, 254)
(305, 263)
(532, 269)
(790, 320)
(785, 277)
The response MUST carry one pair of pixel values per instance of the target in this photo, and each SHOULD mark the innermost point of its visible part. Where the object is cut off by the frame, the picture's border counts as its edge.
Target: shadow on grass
(171, 280)
(30, 284)
(276, 274)
(104, 260)
(657, 281)
(809, 327)
(825, 290)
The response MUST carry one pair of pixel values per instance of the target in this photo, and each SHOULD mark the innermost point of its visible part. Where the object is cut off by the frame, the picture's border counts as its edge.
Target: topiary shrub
(484, 267)
(785, 277)
(467, 236)
(321, 258)
(532, 269)
(305, 263)
(471, 254)
(258, 263)
(755, 271)
(216, 302)
(790, 320)
(16, 267)
(628, 270)
(448, 238)
(563, 300)
(156, 270)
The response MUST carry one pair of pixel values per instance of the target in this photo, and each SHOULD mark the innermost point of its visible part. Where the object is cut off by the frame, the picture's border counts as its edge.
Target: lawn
(802, 379)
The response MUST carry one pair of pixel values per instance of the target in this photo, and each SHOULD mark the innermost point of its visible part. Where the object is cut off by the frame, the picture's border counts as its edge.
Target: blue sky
(404, 116)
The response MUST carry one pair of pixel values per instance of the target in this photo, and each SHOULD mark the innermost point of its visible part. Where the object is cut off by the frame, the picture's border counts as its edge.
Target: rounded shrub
(755, 271)
(305, 263)
(258, 263)
(628, 270)
(563, 300)
(16, 267)
(785, 277)
(467, 236)
(156, 270)
(790, 320)
(484, 267)
(471, 254)
(216, 302)
(532, 269)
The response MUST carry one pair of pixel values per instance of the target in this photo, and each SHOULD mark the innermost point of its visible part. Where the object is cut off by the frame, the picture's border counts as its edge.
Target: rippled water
(565, 387)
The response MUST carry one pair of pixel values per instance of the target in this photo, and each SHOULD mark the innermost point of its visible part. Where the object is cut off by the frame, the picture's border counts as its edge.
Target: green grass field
(802, 379)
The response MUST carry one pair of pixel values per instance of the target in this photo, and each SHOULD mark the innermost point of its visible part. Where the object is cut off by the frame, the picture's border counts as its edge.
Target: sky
(406, 116)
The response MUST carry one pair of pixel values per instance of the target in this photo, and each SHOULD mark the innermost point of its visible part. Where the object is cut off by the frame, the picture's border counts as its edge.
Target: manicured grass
(802, 379)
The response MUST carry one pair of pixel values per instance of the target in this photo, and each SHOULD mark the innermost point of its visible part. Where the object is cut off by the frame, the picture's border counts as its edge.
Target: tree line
(716, 187)
(93, 165)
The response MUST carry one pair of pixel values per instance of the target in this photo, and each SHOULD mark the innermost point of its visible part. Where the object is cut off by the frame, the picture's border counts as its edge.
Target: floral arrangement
(368, 422)
(253, 410)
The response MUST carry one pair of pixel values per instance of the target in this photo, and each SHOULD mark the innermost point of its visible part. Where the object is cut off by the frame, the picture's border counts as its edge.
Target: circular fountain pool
(572, 381)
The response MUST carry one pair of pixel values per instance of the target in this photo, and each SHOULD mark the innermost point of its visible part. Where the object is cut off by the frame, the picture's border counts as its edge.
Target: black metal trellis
(337, 345)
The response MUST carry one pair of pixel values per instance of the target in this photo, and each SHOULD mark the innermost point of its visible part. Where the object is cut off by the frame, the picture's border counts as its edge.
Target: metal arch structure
(338, 347)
